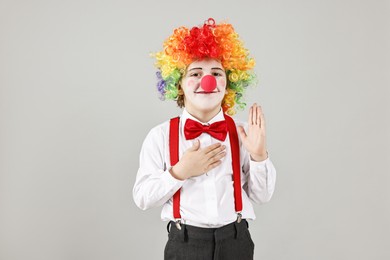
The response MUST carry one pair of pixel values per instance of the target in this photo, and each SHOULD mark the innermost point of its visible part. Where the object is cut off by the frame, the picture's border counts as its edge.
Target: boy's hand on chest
(198, 160)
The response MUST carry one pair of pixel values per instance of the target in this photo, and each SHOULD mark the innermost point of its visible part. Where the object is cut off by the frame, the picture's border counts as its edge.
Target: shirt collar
(218, 117)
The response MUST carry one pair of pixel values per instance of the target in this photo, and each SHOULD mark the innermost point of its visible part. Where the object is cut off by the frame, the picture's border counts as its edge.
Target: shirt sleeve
(258, 178)
(154, 184)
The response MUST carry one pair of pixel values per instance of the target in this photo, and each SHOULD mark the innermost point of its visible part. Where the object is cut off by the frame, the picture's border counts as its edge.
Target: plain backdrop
(77, 98)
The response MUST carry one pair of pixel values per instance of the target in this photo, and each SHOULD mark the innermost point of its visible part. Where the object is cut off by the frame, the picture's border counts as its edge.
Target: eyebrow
(216, 68)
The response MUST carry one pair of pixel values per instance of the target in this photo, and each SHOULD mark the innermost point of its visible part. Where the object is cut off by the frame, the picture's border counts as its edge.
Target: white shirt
(206, 200)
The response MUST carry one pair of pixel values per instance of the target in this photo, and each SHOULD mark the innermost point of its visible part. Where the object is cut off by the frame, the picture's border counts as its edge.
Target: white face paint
(196, 99)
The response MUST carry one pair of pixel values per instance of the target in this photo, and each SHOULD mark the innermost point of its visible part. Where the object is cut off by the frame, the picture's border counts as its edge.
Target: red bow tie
(193, 129)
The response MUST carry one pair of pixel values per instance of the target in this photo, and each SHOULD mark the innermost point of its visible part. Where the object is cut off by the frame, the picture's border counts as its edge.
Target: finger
(262, 120)
(195, 145)
(254, 113)
(211, 147)
(241, 132)
(258, 118)
(213, 165)
(250, 115)
(217, 157)
(216, 151)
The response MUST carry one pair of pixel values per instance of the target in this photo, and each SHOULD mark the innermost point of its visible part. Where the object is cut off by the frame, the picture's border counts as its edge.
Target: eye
(217, 74)
(195, 74)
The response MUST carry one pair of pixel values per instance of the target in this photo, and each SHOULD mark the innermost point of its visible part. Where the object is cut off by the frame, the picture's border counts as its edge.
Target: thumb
(195, 145)
(241, 132)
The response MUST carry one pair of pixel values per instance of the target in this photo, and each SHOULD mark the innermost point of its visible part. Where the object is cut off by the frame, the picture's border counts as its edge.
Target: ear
(180, 91)
(226, 90)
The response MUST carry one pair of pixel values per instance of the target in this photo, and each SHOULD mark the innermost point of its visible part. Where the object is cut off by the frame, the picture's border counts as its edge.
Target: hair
(216, 41)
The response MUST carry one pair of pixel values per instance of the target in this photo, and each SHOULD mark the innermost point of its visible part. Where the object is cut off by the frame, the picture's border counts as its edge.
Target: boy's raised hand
(197, 161)
(254, 139)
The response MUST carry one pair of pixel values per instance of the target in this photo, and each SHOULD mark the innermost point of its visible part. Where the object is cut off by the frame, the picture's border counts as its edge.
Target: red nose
(208, 83)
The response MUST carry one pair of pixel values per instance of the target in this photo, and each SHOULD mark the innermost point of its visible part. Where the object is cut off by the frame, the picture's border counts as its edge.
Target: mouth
(205, 92)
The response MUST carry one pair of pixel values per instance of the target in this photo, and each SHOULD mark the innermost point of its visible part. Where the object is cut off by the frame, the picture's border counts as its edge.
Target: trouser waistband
(187, 231)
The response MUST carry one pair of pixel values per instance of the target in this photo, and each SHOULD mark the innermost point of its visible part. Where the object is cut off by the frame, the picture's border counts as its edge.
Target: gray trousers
(230, 242)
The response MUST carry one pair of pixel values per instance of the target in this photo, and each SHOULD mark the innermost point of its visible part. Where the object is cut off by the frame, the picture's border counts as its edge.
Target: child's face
(195, 97)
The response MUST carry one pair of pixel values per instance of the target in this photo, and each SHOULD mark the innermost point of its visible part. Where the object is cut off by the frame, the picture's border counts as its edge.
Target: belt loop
(185, 233)
(236, 229)
(169, 226)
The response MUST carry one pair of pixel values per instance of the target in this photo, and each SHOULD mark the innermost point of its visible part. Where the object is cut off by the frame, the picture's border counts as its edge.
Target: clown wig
(216, 41)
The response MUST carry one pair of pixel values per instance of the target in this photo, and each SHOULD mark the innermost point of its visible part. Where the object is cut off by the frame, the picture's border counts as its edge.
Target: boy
(203, 167)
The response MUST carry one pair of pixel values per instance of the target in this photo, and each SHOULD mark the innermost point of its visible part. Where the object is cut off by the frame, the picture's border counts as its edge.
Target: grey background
(77, 98)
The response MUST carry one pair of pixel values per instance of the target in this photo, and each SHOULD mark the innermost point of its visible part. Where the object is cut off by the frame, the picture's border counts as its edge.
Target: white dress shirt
(206, 200)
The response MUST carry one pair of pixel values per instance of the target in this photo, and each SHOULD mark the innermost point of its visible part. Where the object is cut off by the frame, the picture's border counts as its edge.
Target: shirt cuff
(172, 181)
(258, 165)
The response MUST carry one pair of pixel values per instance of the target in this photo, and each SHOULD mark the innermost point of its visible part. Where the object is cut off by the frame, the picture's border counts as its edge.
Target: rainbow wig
(217, 41)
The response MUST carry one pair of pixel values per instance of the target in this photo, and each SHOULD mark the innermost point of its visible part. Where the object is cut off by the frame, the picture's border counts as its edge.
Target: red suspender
(235, 149)
(174, 154)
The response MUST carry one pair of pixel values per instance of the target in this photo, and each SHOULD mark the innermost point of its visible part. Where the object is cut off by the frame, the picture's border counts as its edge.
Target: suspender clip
(178, 226)
(239, 217)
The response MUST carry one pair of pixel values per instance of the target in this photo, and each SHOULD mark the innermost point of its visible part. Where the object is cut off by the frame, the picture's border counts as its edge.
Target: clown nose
(208, 83)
